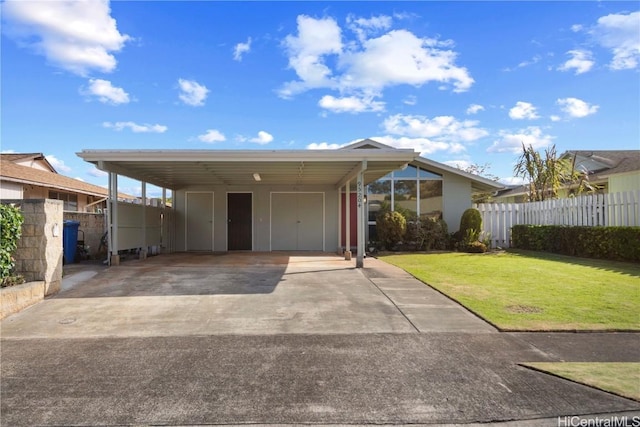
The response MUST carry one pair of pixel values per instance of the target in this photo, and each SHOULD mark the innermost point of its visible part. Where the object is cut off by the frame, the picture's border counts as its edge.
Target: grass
(536, 291)
(622, 379)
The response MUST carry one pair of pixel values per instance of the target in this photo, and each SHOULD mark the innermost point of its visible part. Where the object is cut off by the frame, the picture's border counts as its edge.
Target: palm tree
(545, 174)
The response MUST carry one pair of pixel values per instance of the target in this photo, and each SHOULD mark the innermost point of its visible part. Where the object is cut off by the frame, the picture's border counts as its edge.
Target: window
(70, 200)
(412, 190)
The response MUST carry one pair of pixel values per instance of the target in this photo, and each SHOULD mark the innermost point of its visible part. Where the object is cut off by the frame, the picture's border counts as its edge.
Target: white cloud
(555, 118)
(211, 136)
(460, 164)
(410, 100)
(534, 60)
(474, 108)
(57, 163)
(262, 138)
(240, 49)
(576, 108)
(192, 93)
(400, 57)
(367, 65)
(364, 27)
(135, 127)
(95, 172)
(581, 61)
(619, 33)
(576, 28)
(316, 38)
(445, 128)
(424, 146)
(513, 180)
(75, 35)
(350, 104)
(512, 142)
(523, 110)
(323, 146)
(105, 92)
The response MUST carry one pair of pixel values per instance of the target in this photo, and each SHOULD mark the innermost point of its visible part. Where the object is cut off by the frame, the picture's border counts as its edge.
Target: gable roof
(478, 183)
(17, 157)
(13, 172)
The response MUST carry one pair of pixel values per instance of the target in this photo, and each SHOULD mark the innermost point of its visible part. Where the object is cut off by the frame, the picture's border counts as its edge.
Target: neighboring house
(610, 171)
(31, 176)
(270, 200)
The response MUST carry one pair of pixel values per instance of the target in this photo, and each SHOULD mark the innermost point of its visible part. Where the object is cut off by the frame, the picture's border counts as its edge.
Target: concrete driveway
(278, 339)
(240, 293)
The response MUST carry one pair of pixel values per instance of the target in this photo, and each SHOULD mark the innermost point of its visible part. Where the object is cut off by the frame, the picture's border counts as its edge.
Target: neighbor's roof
(16, 157)
(13, 172)
(612, 161)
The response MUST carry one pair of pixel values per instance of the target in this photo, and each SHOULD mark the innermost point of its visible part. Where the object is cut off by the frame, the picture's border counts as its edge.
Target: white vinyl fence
(616, 209)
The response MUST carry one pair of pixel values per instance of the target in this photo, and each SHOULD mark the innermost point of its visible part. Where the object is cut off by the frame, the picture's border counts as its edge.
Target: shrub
(391, 227)
(470, 220)
(11, 220)
(614, 243)
(471, 242)
(426, 233)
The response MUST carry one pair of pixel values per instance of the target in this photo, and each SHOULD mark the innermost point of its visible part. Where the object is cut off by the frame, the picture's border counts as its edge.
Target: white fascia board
(244, 156)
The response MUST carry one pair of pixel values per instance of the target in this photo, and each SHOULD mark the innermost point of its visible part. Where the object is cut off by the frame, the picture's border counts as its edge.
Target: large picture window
(413, 191)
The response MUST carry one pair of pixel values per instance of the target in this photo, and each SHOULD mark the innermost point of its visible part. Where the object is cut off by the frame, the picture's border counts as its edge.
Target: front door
(239, 222)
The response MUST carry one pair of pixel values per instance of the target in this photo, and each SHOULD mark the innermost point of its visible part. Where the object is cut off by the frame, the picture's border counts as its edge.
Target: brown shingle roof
(15, 157)
(619, 161)
(10, 171)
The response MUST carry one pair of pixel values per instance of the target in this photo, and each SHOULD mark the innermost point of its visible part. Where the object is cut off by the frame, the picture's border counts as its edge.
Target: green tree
(545, 173)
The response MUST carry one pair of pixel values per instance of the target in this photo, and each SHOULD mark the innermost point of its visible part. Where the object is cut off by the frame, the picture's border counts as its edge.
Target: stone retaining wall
(16, 298)
(39, 253)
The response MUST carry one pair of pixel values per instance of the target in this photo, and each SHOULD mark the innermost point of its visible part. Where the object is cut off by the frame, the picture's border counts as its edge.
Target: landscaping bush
(426, 233)
(11, 220)
(614, 243)
(391, 227)
(467, 239)
(470, 220)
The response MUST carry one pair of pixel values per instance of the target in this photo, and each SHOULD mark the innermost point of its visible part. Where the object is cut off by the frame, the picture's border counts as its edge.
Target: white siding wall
(456, 194)
(10, 190)
(261, 213)
(624, 182)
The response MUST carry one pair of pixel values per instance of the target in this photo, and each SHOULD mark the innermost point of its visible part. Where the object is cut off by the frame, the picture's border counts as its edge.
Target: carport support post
(114, 258)
(360, 219)
(347, 222)
(143, 249)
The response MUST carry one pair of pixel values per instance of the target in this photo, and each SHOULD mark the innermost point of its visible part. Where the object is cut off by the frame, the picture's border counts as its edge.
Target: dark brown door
(239, 223)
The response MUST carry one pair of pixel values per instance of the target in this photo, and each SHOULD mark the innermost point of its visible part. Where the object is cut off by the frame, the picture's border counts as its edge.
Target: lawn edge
(542, 371)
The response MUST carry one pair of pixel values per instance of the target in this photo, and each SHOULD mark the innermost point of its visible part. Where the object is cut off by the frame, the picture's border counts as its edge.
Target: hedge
(614, 243)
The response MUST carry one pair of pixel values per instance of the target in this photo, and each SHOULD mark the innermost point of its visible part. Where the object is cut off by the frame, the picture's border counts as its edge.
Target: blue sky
(460, 82)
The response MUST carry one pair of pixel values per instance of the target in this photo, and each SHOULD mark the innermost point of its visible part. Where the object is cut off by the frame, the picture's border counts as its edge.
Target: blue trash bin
(70, 240)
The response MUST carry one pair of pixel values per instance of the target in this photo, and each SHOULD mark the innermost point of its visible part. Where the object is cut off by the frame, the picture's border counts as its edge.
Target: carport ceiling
(178, 169)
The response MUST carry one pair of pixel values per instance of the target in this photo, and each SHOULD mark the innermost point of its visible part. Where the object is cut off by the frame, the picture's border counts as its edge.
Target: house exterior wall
(10, 190)
(38, 192)
(261, 201)
(624, 182)
(456, 194)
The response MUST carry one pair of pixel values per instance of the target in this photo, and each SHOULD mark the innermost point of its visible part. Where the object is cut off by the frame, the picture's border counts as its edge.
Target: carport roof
(177, 169)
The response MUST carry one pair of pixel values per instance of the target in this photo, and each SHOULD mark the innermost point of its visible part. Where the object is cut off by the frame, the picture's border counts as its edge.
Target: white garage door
(297, 221)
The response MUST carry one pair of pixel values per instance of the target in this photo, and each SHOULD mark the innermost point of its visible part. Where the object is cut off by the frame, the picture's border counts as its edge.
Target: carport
(253, 200)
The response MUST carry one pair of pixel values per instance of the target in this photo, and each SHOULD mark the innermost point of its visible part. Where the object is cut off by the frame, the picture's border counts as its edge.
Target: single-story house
(610, 171)
(288, 200)
(31, 176)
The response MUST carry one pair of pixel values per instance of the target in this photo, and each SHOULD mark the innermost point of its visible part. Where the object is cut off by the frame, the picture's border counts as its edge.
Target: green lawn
(524, 290)
(622, 379)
